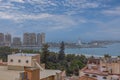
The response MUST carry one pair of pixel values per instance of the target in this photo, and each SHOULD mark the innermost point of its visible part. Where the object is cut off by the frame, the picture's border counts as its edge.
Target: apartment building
(29, 39)
(102, 69)
(8, 39)
(40, 38)
(24, 66)
(16, 41)
(1, 39)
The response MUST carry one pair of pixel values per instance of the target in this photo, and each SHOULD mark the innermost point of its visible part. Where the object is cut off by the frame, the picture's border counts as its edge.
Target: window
(94, 76)
(19, 60)
(27, 61)
(104, 66)
(104, 77)
(86, 74)
(11, 60)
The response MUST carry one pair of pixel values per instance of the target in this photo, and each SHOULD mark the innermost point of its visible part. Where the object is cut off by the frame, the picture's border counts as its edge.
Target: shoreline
(98, 56)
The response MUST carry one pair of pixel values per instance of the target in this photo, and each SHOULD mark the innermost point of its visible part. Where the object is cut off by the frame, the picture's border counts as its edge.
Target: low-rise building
(102, 69)
(27, 67)
(20, 60)
(86, 78)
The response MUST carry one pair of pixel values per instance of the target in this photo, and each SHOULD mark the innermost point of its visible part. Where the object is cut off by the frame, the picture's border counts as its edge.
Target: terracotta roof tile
(86, 78)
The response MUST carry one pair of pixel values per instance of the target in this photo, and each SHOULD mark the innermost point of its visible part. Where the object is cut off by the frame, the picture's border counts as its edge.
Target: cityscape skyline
(28, 39)
(62, 20)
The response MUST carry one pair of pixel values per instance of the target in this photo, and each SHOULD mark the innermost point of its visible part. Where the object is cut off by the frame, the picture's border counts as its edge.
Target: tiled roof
(3, 63)
(86, 78)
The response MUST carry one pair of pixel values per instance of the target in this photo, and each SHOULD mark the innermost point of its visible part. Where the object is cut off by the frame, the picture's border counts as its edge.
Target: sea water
(113, 50)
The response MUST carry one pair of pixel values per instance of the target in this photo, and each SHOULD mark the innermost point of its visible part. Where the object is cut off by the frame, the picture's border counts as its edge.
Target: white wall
(22, 58)
(9, 75)
(101, 78)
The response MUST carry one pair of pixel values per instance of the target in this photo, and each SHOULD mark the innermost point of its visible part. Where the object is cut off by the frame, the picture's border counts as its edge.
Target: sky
(62, 20)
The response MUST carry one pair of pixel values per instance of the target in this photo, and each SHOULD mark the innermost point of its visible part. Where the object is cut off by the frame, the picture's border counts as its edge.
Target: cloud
(81, 4)
(114, 11)
(43, 21)
(90, 5)
(108, 30)
(58, 22)
(53, 15)
(21, 16)
(20, 1)
(50, 6)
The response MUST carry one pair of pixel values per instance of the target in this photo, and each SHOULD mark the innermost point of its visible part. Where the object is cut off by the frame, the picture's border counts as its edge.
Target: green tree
(4, 52)
(107, 56)
(45, 54)
(53, 57)
(61, 55)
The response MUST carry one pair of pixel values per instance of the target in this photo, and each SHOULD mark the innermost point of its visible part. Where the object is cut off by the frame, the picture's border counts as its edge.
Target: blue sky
(65, 20)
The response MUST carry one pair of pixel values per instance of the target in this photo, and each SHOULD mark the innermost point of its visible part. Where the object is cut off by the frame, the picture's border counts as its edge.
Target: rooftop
(99, 66)
(47, 73)
(14, 75)
(86, 78)
(11, 75)
(24, 54)
(31, 68)
(110, 60)
(94, 69)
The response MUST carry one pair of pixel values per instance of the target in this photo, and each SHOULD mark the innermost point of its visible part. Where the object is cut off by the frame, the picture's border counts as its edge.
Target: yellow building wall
(49, 78)
(33, 74)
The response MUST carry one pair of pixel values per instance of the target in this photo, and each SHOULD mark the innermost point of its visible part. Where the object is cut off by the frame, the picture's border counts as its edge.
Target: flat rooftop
(86, 78)
(25, 54)
(94, 71)
(14, 75)
(48, 73)
(6, 74)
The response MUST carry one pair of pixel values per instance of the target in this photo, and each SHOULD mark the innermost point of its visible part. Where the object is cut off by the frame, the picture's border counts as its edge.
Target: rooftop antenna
(21, 52)
(79, 41)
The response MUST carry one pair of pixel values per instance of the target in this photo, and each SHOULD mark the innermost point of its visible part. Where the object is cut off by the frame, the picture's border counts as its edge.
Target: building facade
(102, 69)
(25, 66)
(1, 39)
(29, 39)
(8, 39)
(40, 38)
(20, 60)
(16, 41)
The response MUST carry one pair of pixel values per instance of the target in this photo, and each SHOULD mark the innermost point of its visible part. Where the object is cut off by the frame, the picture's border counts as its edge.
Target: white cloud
(50, 22)
(20, 1)
(6, 6)
(43, 2)
(110, 29)
(81, 4)
(90, 5)
(37, 1)
(113, 11)
(20, 16)
(39, 16)
(4, 15)
(61, 22)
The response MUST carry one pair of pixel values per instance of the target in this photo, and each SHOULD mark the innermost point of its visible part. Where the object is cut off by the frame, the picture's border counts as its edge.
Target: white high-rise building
(40, 38)
(29, 39)
(8, 39)
(16, 41)
(1, 39)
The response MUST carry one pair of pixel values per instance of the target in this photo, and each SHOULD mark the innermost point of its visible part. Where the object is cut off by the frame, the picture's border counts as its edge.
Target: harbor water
(113, 50)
